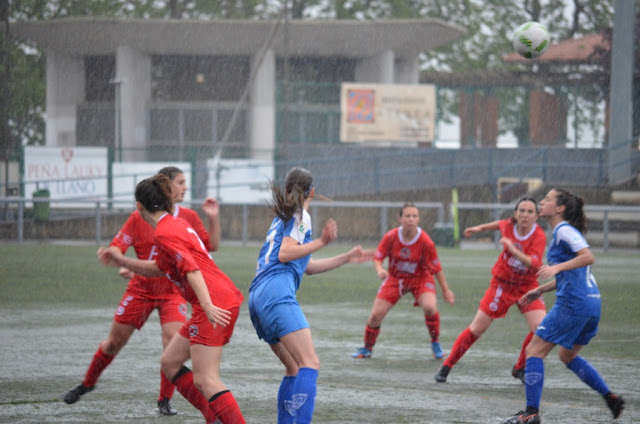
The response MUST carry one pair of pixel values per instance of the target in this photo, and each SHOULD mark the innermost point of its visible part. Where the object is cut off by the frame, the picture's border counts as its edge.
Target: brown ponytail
(298, 184)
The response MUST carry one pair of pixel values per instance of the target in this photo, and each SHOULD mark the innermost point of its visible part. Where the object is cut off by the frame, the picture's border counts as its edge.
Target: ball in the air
(531, 39)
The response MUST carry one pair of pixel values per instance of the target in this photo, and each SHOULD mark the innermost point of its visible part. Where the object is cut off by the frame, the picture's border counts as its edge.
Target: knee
(430, 310)
(111, 346)
(169, 367)
(311, 363)
(566, 356)
(200, 381)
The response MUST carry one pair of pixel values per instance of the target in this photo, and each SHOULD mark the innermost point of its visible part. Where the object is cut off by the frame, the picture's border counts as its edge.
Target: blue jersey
(576, 289)
(268, 262)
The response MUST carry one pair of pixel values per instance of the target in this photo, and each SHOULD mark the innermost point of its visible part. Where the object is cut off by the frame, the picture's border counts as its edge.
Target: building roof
(350, 38)
(587, 49)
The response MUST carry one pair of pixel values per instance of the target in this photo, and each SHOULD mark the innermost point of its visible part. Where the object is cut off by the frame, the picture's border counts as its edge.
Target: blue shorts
(274, 309)
(562, 327)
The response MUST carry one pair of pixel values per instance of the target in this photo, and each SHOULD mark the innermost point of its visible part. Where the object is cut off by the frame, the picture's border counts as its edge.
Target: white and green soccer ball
(531, 39)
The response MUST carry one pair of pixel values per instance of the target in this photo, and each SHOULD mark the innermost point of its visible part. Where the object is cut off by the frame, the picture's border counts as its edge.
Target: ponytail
(298, 184)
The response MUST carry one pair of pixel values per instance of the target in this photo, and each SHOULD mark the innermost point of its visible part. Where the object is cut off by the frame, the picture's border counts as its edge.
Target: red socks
(225, 408)
(461, 345)
(370, 337)
(433, 325)
(167, 388)
(184, 383)
(522, 359)
(100, 361)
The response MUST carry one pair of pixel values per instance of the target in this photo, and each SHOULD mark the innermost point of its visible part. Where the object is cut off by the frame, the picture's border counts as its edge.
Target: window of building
(199, 78)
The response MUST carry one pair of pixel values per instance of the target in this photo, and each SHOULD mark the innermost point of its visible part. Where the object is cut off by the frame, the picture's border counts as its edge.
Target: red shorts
(200, 331)
(392, 289)
(500, 296)
(135, 309)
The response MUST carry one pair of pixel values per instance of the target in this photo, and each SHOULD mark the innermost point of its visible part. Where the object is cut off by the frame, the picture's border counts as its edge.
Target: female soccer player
(143, 294)
(514, 274)
(215, 300)
(413, 262)
(274, 309)
(573, 319)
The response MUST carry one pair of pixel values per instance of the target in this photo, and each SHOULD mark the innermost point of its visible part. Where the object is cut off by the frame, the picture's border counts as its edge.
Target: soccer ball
(531, 39)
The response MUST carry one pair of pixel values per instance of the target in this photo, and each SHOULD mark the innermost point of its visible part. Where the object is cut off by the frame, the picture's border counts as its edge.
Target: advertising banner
(66, 173)
(387, 112)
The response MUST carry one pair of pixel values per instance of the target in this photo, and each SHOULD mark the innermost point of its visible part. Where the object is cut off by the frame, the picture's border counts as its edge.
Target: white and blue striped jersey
(268, 262)
(576, 289)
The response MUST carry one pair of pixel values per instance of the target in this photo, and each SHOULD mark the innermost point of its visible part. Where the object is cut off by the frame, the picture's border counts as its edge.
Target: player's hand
(126, 273)
(211, 207)
(329, 232)
(471, 230)
(382, 275)
(529, 297)
(357, 255)
(546, 272)
(109, 257)
(507, 244)
(217, 316)
(449, 297)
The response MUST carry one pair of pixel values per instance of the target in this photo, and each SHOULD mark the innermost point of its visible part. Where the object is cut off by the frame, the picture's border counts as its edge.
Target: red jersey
(138, 233)
(180, 251)
(415, 259)
(508, 267)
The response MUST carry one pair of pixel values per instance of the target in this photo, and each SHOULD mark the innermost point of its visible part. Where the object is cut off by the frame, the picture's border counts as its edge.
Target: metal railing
(98, 209)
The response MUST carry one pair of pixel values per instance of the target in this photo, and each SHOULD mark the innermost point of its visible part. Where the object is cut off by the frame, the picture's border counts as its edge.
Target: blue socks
(284, 394)
(588, 374)
(533, 381)
(299, 405)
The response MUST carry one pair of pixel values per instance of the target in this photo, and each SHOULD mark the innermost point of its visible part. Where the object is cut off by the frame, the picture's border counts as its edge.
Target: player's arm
(113, 256)
(290, 249)
(211, 208)
(584, 257)
(214, 314)
(489, 226)
(533, 294)
(447, 294)
(355, 255)
(380, 271)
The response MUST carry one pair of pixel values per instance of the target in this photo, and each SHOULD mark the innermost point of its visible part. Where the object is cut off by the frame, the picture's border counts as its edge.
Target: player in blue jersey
(573, 319)
(273, 307)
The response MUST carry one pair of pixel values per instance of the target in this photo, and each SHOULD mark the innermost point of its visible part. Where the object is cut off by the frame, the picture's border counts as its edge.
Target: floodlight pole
(620, 93)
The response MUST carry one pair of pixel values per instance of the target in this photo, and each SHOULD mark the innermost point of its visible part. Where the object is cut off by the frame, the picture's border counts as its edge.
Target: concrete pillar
(547, 119)
(65, 89)
(377, 69)
(133, 75)
(263, 106)
(406, 70)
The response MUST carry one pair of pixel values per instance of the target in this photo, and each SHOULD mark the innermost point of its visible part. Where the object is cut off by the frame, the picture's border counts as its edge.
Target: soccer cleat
(441, 375)
(615, 403)
(523, 418)
(436, 349)
(165, 408)
(74, 394)
(518, 373)
(363, 352)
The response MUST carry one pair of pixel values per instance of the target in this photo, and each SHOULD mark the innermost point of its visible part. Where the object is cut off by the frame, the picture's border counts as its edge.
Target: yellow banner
(387, 112)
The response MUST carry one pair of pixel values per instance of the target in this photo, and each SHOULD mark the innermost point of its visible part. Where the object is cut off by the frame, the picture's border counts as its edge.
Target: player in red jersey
(183, 257)
(143, 294)
(514, 274)
(413, 262)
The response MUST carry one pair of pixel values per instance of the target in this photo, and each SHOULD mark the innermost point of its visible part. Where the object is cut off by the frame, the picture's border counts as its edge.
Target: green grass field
(57, 303)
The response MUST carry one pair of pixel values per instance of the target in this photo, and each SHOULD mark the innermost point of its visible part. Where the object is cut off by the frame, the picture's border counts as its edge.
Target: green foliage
(488, 26)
